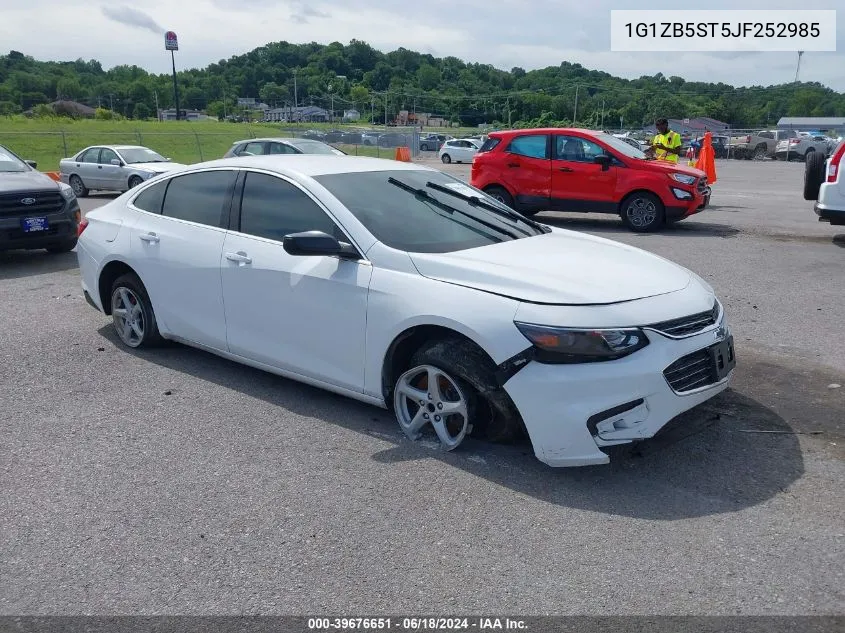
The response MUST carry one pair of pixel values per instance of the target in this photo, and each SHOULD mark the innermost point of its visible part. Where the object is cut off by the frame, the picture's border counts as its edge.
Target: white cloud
(504, 33)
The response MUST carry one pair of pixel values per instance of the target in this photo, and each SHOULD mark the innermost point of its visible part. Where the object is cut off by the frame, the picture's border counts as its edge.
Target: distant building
(351, 115)
(301, 114)
(813, 123)
(184, 115)
(65, 107)
(692, 127)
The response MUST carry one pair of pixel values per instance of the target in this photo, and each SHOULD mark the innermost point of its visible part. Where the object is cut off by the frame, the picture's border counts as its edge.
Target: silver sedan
(112, 168)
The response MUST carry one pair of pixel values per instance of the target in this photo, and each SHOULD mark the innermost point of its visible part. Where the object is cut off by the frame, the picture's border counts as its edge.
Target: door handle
(149, 237)
(565, 169)
(239, 257)
(99, 166)
(513, 165)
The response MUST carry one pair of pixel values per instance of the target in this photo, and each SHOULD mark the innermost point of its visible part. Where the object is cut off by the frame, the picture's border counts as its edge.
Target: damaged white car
(401, 286)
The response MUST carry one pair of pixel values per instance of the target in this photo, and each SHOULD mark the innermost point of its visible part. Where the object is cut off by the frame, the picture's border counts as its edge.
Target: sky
(505, 33)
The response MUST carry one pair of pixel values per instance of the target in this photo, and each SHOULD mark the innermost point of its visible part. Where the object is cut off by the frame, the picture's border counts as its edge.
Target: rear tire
(78, 186)
(760, 152)
(501, 194)
(62, 247)
(643, 212)
(132, 313)
(814, 175)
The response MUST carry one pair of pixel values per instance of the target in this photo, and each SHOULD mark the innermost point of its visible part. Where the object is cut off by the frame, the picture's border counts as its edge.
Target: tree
(359, 95)
(141, 111)
(272, 92)
(428, 77)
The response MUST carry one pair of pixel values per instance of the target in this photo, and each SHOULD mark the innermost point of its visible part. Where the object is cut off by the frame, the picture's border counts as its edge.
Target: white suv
(824, 183)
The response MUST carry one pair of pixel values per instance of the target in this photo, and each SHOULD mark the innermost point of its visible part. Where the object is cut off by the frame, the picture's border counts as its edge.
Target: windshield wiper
(476, 201)
(422, 193)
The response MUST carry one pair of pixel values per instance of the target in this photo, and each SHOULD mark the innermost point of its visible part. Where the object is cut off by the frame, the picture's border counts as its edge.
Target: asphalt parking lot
(175, 482)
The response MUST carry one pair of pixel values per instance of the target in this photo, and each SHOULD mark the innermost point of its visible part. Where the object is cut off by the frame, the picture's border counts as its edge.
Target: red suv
(582, 170)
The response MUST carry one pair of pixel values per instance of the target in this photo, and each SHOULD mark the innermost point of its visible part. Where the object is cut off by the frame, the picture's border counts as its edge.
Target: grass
(46, 141)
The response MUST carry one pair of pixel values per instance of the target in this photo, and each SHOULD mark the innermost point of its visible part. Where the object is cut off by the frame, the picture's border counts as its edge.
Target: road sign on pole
(171, 43)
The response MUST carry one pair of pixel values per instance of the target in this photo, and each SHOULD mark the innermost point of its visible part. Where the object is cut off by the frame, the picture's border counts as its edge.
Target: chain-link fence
(184, 146)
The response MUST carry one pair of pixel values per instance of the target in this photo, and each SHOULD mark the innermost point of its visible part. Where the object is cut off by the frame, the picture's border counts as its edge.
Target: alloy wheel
(128, 316)
(641, 212)
(428, 395)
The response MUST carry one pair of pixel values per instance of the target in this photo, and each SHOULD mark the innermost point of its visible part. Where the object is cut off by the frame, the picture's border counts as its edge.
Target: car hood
(157, 167)
(26, 181)
(560, 268)
(663, 166)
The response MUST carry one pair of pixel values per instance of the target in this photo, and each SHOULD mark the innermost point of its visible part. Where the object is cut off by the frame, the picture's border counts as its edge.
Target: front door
(527, 170)
(177, 254)
(302, 314)
(110, 176)
(578, 182)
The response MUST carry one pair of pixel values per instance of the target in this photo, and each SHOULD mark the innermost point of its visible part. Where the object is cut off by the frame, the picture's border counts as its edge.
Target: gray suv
(35, 210)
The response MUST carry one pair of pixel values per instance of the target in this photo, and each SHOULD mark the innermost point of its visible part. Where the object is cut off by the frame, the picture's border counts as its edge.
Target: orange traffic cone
(403, 154)
(706, 158)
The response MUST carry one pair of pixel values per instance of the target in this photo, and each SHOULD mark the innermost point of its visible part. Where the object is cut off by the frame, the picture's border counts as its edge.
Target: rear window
(489, 145)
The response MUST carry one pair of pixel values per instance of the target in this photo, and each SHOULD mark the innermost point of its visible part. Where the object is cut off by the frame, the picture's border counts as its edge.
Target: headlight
(576, 345)
(67, 192)
(684, 178)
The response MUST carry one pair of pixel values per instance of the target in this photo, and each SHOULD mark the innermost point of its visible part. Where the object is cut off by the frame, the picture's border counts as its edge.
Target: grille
(691, 372)
(688, 325)
(46, 202)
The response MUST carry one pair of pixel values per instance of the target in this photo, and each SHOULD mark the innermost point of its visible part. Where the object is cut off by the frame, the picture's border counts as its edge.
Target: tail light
(835, 162)
(748, 140)
(794, 141)
(82, 226)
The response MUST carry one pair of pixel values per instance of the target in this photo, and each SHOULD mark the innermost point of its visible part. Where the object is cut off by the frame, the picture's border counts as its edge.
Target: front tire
(643, 212)
(62, 247)
(456, 376)
(134, 181)
(132, 313)
(79, 188)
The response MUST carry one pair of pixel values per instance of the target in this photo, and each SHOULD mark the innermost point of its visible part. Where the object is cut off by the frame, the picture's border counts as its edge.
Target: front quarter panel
(400, 298)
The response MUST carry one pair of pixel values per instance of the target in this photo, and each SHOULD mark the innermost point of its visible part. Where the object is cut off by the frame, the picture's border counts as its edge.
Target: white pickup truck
(759, 145)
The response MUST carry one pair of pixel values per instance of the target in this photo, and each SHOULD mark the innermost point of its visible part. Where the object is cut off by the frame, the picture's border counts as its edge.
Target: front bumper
(568, 410)
(62, 227)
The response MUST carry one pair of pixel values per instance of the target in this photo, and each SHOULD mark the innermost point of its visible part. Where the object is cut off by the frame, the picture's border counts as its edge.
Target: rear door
(527, 169)
(255, 148)
(578, 182)
(86, 168)
(177, 252)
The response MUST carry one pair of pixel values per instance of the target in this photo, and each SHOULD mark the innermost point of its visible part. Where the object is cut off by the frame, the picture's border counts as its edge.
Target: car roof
(543, 130)
(262, 139)
(312, 165)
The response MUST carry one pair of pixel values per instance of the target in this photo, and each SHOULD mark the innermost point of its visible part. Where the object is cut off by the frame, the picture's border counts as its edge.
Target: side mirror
(116, 162)
(604, 160)
(31, 163)
(313, 243)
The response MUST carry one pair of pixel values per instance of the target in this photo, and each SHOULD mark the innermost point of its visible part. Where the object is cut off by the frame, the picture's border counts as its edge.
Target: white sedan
(459, 150)
(400, 286)
(112, 168)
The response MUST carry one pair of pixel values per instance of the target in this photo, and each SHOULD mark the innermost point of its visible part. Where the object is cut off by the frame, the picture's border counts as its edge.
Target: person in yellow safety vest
(666, 144)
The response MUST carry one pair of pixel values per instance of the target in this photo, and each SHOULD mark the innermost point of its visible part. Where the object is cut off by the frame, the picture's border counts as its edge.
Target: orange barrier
(54, 175)
(403, 154)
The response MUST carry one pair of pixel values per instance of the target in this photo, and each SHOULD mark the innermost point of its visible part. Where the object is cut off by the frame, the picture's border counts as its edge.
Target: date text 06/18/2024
(416, 624)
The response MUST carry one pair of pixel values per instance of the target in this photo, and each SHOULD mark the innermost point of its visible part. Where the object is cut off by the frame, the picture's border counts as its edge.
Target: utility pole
(372, 110)
(575, 114)
(798, 68)
(385, 110)
(508, 103)
(111, 102)
(602, 114)
(158, 112)
(295, 101)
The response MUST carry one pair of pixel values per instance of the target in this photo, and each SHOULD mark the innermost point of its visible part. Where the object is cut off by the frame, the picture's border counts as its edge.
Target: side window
(254, 148)
(281, 148)
(91, 156)
(106, 156)
(532, 146)
(150, 199)
(199, 197)
(766, 135)
(273, 208)
(576, 149)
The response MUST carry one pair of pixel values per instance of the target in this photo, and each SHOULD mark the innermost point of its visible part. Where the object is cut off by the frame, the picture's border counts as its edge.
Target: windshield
(621, 146)
(313, 147)
(401, 219)
(141, 155)
(9, 163)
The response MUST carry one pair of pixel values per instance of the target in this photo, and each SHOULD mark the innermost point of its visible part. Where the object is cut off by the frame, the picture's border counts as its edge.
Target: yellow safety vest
(670, 139)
